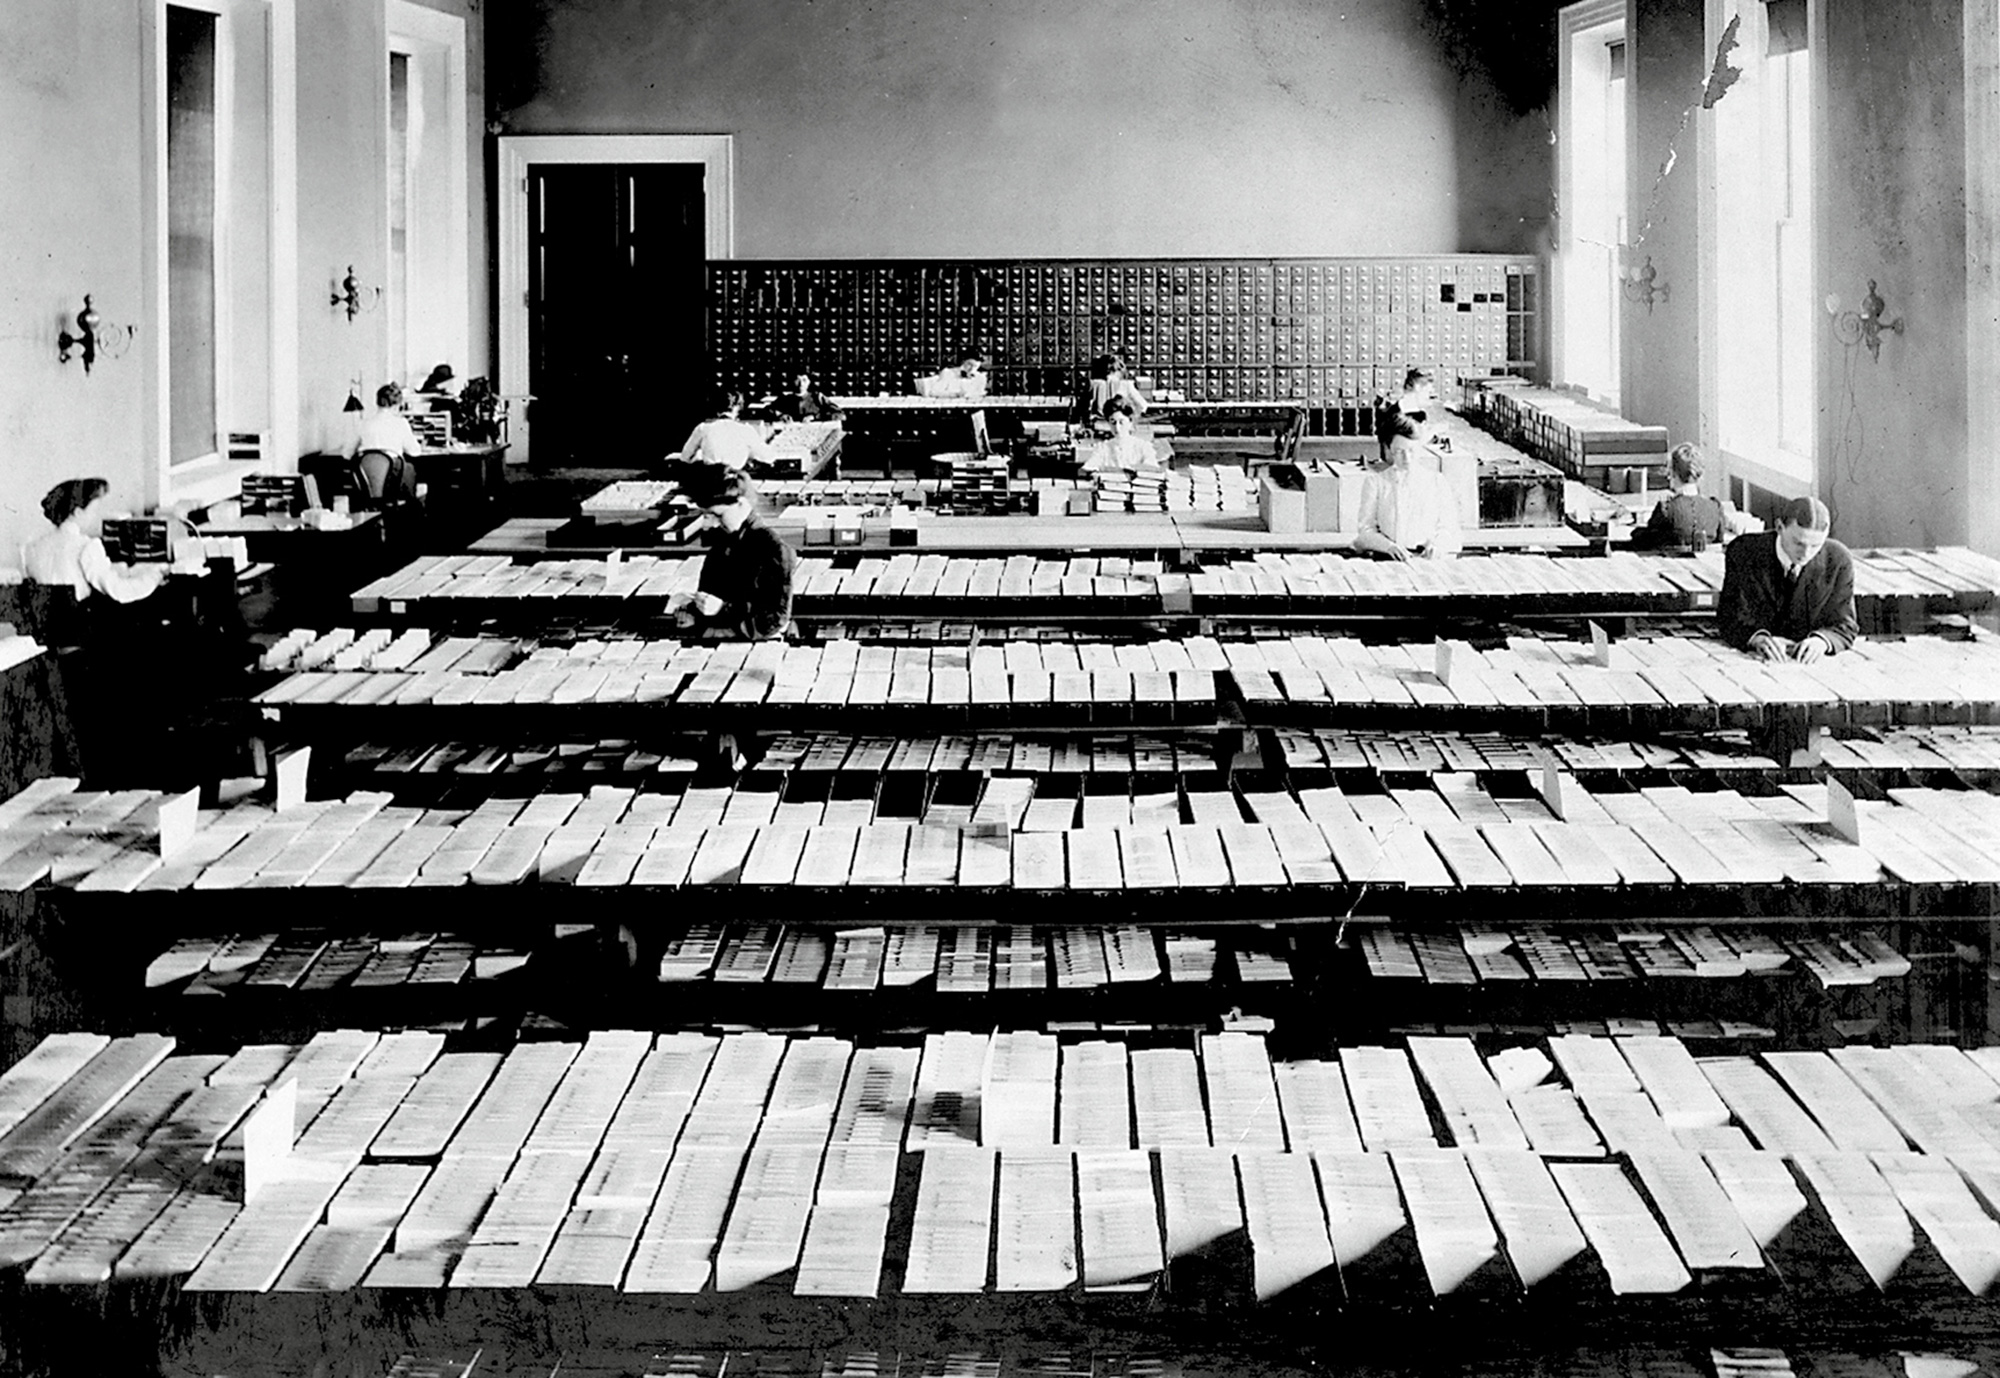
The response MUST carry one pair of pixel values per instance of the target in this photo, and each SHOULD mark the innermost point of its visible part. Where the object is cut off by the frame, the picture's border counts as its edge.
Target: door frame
(517, 153)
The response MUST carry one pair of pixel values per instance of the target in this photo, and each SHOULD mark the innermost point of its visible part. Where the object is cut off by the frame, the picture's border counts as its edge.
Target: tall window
(192, 180)
(1593, 196)
(427, 293)
(398, 292)
(1766, 343)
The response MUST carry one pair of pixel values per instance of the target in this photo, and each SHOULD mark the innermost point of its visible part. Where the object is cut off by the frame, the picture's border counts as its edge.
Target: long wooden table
(1128, 533)
(1528, 683)
(1203, 1173)
(1319, 850)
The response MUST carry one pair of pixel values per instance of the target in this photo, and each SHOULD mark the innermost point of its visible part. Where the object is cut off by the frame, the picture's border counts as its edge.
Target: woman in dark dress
(1685, 518)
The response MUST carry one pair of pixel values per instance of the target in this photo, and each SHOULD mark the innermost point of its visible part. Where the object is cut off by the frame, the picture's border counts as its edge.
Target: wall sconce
(1643, 285)
(355, 295)
(92, 337)
(1864, 326)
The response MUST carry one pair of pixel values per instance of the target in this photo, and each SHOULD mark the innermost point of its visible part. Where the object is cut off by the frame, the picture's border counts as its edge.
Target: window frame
(1585, 21)
(434, 42)
(1781, 471)
(212, 477)
(223, 339)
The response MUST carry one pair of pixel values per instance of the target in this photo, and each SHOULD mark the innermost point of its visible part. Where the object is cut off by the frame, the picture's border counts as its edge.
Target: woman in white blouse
(73, 554)
(725, 439)
(381, 448)
(1407, 511)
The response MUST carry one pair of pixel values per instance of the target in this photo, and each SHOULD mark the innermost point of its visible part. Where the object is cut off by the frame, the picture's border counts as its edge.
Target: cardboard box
(1303, 499)
(1283, 509)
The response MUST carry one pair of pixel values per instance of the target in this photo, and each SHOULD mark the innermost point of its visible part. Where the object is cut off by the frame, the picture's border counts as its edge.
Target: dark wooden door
(615, 258)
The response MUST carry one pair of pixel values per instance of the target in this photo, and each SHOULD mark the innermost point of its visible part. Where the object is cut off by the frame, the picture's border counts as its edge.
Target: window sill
(1778, 471)
(205, 481)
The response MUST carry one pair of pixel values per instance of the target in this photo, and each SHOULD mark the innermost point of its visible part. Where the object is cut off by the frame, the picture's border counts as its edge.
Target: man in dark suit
(1789, 594)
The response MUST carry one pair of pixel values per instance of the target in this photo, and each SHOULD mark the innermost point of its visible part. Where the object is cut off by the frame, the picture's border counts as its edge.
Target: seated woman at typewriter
(1684, 518)
(1407, 510)
(725, 440)
(805, 402)
(381, 447)
(73, 554)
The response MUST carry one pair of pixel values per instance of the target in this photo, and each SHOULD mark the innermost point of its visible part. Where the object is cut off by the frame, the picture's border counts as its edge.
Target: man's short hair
(719, 489)
(1810, 513)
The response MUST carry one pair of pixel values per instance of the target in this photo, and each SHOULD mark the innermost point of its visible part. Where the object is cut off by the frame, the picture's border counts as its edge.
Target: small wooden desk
(477, 469)
(277, 540)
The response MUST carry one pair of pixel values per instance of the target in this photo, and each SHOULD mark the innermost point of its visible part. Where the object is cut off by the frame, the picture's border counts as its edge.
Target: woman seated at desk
(805, 403)
(1407, 511)
(381, 449)
(73, 554)
(1684, 518)
(725, 440)
(1126, 450)
(1108, 384)
(745, 588)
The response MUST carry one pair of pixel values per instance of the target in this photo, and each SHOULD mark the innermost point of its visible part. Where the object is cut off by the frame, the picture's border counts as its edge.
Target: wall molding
(1982, 271)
